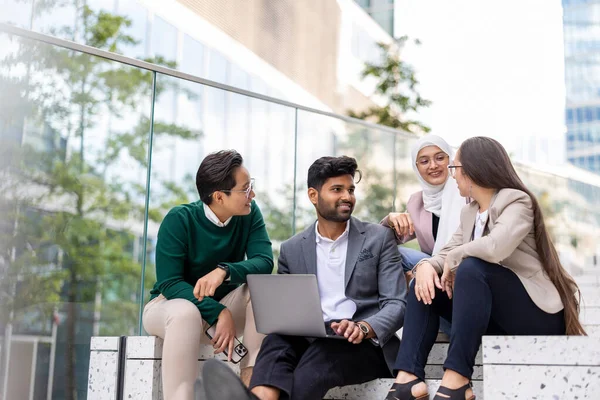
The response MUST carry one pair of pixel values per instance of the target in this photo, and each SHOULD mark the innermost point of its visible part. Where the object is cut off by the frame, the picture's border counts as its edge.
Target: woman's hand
(401, 223)
(448, 280)
(426, 279)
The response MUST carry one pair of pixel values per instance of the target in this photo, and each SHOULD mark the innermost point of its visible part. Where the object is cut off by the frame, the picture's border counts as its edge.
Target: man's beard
(333, 214)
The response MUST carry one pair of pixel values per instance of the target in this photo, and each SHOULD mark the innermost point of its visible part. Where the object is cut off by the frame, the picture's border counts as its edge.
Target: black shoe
(220, 383)
(402, 391)
(454, 394)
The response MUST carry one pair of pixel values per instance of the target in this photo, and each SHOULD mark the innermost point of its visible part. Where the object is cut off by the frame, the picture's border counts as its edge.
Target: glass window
(138, 15)
(164, 39)
(17, 13)
(589, 114)
(193, 57)
(579, 114)
(218, 68)
(569, 116)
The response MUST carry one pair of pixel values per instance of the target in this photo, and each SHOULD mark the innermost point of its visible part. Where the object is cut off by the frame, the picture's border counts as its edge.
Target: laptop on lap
(288, 305)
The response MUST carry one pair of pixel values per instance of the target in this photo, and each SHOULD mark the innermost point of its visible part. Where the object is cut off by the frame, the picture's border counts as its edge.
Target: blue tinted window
(579, 115)
(589, 114)
(569, 116)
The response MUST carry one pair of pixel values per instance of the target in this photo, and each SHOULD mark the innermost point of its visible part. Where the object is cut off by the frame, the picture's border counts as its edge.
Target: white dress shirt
(331, 269)
(480, 222)
(212, 217)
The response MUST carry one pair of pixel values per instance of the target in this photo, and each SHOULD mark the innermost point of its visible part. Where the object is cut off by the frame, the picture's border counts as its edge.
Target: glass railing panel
(74, 143)
(202, 120)
(382, 156)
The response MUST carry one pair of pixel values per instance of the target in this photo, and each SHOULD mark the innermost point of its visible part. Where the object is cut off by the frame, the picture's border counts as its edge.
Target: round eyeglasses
(247, 191)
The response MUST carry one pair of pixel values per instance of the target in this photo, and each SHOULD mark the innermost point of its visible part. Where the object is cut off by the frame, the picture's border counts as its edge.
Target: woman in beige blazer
(500, 260)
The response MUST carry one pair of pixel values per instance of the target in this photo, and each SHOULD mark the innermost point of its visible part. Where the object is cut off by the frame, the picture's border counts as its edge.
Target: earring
(470, 190)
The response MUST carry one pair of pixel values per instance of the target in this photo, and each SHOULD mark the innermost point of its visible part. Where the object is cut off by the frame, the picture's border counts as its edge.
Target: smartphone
(239, 350)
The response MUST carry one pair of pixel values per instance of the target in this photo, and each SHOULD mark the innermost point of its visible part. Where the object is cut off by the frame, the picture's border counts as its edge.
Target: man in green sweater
(204, 251)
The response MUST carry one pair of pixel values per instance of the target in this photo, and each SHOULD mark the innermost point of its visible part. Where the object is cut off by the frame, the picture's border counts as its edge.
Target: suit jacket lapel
(426, 227)
(468, 223)
(309, 249)
(356, 239)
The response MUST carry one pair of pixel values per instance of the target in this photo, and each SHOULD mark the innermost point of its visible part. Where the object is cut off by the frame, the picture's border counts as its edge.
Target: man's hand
(224, 334)
(448, 280)
(401, 223)
(207, 285)
(348, 329)
(426, 279)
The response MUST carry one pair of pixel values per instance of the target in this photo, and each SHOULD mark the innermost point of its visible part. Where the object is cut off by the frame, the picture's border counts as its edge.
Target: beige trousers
(180, 324)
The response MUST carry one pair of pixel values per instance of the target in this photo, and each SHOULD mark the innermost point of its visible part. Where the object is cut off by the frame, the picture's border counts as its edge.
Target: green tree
(64, 201)
(397, 84)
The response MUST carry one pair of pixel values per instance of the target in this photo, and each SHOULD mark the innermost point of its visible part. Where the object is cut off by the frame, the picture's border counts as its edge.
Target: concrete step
(378, 389)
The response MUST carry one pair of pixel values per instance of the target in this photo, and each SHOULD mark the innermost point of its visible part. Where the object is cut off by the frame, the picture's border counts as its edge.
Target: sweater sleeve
(171, 250)
(259, 254)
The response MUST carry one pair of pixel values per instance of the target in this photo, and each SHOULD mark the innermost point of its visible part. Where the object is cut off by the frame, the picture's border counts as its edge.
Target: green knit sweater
(190, 246)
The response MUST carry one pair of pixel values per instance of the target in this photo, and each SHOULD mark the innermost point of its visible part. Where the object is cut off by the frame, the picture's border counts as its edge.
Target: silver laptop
(288, 305)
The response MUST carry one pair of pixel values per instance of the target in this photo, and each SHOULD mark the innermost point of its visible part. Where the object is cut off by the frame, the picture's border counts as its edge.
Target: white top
(480, 222)
(212, 217)
(331, 267)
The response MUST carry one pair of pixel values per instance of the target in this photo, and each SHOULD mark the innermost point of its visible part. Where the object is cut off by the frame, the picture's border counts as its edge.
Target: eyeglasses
(452, 169)
(246, 191)
(439, 159)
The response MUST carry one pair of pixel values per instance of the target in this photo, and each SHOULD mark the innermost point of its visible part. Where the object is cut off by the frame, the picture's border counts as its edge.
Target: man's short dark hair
(216, 173)
(330, 167)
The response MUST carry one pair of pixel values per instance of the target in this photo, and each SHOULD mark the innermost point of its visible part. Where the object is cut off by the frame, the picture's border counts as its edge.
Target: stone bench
(541, 367)
(141, 377)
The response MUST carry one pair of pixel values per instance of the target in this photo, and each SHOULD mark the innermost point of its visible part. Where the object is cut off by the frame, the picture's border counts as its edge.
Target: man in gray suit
(363, 298)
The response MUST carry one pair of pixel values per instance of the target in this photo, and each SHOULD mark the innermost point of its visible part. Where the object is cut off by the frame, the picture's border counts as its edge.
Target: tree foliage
(397, 85)
(71, 211)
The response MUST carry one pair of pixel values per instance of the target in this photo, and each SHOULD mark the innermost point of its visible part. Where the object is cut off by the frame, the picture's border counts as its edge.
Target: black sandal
(455, 394)
(401, 391)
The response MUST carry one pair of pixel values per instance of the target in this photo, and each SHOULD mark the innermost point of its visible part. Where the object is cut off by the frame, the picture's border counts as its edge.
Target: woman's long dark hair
(488, 165)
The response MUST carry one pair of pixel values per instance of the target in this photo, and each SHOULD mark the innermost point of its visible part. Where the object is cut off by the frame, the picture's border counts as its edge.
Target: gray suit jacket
(373, 277)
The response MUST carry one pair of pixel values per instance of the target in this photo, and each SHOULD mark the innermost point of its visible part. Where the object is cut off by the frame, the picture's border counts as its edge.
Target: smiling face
(432, 164)
(237, 202)
(335, 200)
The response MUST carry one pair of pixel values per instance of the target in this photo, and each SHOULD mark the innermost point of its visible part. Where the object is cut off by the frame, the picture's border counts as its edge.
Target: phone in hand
(239, 350)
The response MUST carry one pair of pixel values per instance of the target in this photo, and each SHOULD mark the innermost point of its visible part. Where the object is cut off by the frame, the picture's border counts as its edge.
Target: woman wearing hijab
(433, 213)
(500, 275)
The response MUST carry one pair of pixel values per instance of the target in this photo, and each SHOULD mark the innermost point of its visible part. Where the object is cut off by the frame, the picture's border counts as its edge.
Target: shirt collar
(318, 236)
(212, 217)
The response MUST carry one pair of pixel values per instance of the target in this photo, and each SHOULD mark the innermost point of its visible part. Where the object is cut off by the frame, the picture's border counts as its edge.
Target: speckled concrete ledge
(504, 382)
(102, 375)
(379, 388)
(104, 343)
(541, 350)
(541, 367)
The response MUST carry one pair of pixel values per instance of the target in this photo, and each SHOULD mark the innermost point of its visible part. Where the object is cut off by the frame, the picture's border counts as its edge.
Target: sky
(491, 68)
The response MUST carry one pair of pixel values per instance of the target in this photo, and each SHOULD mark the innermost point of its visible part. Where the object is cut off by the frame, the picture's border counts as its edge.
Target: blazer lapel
(468, 223)
(426, 227)
(356, 239)
(309, 249)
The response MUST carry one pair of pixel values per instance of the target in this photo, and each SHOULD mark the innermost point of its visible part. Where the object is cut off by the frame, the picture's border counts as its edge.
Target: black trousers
(488, 299)
(307, 368)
